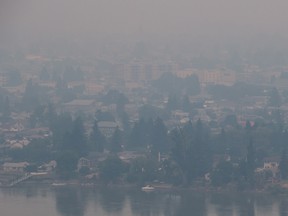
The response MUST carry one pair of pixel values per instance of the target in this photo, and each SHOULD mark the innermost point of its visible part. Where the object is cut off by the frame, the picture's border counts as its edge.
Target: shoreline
(73, 183)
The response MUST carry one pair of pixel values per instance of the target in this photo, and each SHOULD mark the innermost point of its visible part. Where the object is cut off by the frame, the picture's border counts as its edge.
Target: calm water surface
(72, 201)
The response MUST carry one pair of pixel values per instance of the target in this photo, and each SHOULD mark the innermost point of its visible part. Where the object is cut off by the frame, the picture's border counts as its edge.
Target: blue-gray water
(72, 201)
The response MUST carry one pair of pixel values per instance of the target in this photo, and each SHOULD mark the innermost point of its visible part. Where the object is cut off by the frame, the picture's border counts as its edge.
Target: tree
(221, 145)
(96, 139)
(13, 77)
(159, 139)
(61, 85)
(248, 126)
(191, 85)
(37, 116)
(44, 75)
(250, 161)
(169, 172)
(30, 99)
(172, 103)
(140, 135)
(181, 153)
(37, 151)
(151, 112)
(104, 116)
(191, 151)
(111, 169)
(222, 174)
(141, 170)
(116, 141)
(115, 97)
(72, 138)
(66, 164)
(72, 74)
(283, 166)
(171, 84)
(62, 125)
(230, 120)
(248, 129)
(6, 107)
(274, 98)
(50, 115)
(186, 105)
(124, 117)
(201, 149)
(78, 142)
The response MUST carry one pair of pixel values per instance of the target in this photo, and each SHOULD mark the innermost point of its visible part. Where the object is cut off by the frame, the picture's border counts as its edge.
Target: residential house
(270, 168)
(91, 161)
(14, 167)
(48, 167)
(107, 128)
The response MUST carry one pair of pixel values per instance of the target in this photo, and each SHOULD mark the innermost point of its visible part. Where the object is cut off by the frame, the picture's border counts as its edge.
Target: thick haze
(193, 22)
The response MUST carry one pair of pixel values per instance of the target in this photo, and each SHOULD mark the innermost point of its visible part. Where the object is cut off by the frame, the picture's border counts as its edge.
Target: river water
(73, 201)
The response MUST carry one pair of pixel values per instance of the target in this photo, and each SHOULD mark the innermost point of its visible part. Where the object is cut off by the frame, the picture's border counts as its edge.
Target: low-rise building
(107, 128)
(14, 167)
(80, 105)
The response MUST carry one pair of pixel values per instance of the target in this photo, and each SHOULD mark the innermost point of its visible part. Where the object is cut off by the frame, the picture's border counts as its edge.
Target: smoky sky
(213, 21)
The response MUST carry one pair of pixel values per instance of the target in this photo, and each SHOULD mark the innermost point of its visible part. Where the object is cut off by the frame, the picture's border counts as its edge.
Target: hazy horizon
(187, 23)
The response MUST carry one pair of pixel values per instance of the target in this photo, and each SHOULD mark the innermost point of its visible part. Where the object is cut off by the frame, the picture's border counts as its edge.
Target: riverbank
(159, 187)
(53, 180)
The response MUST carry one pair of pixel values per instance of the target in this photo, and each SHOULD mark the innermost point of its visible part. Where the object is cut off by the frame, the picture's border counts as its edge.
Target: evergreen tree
(111, 169)
(66, 164)
(172, 103)
(135, 136)
(274, 99)
(104, 116)
(78, 142)
(140, 135)
(37, 116)
(159, 139)
(248, 130)
(222, 174)
(201, 149)
(186, 105)
(44, 75)
(61, 85)
(188, 130)
(1, 103)
(116, 141)
(221, 145)
(125, 122)
(97, 139)
(142, 169)
(181, 153)
(74, 140)
(283, 166)
(6, 108)
(191, 85)
(30, 98)
(191, 151)
(250, 163)
(60, 127)
(248, 126)
(13, 78)
(50, 115)
(151, 112)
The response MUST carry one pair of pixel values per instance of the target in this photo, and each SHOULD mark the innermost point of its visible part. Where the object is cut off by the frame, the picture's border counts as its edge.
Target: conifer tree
(250, 163)
(97, 139)
(116, 141)
(283, 166)
(159, 139)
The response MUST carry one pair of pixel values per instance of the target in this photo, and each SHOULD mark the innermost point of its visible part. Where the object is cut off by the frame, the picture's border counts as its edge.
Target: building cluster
(134, 80)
